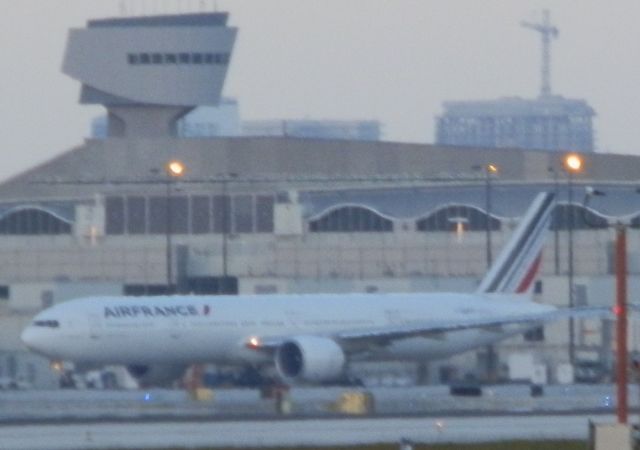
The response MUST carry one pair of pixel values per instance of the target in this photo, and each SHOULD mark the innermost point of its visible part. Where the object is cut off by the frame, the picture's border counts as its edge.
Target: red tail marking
(525, 284)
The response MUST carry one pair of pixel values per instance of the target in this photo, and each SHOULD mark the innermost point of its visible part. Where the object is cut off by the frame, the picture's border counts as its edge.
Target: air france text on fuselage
(151, 311)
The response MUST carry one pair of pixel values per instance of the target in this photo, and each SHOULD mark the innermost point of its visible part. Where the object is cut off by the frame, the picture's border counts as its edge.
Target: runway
(158, 419)
(56, 406)
(287, 433)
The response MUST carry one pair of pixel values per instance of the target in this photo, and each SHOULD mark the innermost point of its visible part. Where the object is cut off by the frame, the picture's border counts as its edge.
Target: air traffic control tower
(150, 71)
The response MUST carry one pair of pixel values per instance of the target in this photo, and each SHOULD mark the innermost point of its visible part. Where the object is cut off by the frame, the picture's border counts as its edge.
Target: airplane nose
(28, 337)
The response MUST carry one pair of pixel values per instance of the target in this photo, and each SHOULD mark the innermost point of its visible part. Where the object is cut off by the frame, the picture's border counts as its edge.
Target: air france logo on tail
(155, 311)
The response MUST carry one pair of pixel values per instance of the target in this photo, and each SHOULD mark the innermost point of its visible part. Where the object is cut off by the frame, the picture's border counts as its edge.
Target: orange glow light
(573, 162)
(175, 168)
(254, 342)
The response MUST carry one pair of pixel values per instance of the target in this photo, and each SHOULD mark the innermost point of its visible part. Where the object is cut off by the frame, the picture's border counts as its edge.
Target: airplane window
(47, 323)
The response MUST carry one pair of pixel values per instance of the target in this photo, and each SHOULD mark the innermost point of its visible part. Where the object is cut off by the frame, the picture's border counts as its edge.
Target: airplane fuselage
(190, 329)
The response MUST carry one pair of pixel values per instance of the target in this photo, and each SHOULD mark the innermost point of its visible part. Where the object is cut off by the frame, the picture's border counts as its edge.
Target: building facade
(546, 123)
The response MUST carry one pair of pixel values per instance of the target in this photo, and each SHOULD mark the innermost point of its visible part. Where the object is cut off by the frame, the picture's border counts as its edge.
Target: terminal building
(283, 214)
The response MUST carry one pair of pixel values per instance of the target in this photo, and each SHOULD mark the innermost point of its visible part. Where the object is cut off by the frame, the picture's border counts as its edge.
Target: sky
(395, 61)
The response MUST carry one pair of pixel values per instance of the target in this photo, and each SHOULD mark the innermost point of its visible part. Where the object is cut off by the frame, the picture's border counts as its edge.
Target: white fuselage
(195, 329)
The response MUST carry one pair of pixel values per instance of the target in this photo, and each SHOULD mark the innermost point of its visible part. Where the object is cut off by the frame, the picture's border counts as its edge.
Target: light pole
(572, 165)
(174, 169)
(489, 170)
(620, 310)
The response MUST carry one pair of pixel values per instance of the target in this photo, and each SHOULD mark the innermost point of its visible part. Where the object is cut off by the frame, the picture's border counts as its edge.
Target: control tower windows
(135, 59)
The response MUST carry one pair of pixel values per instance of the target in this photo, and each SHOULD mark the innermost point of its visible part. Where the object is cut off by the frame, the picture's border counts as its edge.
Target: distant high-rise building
(547, 123)
(550, 122)
(356, 130)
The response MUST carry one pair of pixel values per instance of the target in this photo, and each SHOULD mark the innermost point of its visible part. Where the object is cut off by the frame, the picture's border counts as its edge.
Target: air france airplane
(307, 338)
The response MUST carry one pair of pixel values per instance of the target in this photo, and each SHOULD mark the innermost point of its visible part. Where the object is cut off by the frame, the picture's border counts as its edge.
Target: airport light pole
(174, 169)
(620, 309)
(573, 165)
(489, 170)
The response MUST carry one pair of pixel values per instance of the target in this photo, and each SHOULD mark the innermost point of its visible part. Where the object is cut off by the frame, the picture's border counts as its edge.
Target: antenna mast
(547, 32)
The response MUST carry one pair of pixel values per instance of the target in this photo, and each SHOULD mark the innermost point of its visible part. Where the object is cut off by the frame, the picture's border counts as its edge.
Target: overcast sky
(391, 60)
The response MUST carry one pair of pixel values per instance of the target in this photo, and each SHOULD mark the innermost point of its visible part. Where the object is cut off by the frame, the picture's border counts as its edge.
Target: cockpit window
(46, 323)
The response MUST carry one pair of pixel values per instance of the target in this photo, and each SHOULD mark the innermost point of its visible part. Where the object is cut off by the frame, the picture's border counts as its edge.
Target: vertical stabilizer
(515, 268)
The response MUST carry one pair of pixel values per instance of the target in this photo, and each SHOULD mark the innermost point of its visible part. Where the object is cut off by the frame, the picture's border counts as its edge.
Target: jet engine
(156, 375)
(310, 359)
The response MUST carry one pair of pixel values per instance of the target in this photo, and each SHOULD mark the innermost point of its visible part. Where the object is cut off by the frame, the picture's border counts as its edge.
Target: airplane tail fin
(515, 268)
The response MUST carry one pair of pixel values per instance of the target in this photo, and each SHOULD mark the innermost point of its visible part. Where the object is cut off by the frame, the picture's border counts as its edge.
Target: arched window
(33, 221)
(577, 216)
(348, 219)
(447, 218)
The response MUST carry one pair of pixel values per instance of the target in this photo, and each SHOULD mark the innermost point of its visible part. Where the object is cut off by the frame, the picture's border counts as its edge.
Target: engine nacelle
(156, 375)
(311, 359)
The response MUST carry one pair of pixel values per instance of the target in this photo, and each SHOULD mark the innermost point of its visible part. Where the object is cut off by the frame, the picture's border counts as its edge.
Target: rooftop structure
(547, 32)
(150, 71)
(359, 130)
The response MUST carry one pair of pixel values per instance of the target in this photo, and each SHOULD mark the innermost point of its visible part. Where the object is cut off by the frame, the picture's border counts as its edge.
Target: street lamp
(620, 224)
(572, 165)
(173, 169)
(489, 171)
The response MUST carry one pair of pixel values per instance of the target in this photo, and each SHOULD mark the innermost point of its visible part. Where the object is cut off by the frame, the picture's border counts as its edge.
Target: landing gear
(249, 376)
(253, 377)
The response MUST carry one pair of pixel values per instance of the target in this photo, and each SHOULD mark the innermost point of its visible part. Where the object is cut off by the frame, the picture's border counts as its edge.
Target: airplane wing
(361, 339)
(437, 330)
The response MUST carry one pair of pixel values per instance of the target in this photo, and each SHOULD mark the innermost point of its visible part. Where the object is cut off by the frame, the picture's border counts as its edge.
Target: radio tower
(547, 31)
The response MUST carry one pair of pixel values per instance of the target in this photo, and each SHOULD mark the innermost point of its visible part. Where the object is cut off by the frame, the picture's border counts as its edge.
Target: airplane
(310, 338)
